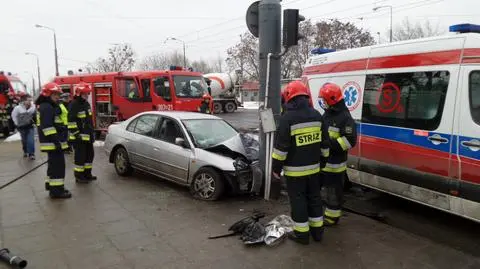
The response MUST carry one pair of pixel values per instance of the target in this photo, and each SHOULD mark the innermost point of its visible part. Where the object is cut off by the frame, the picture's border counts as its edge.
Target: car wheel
(217, 108)
(207, 184)
(122, 163)
(230, 107)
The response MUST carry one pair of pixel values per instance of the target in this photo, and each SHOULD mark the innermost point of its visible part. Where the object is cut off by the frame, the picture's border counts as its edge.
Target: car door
(172, 161)
(469, 133)
(143, 141)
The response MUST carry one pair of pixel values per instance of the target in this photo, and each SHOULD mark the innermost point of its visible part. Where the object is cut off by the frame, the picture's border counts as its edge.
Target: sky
(85, 29)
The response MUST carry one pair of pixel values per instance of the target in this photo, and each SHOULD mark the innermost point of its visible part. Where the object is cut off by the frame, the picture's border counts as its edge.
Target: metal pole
(269, 42)
(184, 57)
(56, 55)
(38, 73)
(391, 24)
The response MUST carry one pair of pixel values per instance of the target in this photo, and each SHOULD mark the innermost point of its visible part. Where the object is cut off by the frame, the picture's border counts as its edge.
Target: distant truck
(224, 90)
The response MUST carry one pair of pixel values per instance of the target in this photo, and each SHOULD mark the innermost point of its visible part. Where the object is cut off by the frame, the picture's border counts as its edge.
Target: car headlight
(240, 164)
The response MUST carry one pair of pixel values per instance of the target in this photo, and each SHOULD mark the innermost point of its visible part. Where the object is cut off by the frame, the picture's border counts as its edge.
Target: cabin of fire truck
(119, 95)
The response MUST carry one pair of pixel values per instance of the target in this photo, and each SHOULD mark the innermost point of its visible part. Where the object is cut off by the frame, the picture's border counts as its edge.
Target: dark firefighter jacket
(301, 137)
(50, 125)
(204, 107)
(80, 123)
(343, 136)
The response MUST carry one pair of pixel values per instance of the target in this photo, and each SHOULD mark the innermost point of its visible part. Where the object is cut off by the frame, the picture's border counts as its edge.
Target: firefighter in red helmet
(343, 136)
(300, 138)
(49, 128)
(205, 105)
(80, 126)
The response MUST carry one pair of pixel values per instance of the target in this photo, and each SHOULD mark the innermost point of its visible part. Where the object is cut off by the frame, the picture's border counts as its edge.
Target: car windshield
(189, 86)
(208, 133)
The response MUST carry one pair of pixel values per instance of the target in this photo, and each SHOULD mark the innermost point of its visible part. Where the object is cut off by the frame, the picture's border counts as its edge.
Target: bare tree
(407, 30)
(244, 56)
(296, 57)
(120, 58)
(335, 34)
(156, 61)
(202, 66)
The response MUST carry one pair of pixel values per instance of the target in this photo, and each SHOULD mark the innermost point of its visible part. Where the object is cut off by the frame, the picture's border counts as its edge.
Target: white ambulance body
(417, 107)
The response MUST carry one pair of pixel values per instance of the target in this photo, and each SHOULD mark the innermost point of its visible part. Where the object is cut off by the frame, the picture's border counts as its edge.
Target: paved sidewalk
(141, 222)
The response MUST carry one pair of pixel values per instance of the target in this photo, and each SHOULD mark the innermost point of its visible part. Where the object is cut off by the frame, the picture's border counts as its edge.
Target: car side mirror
(180, 142)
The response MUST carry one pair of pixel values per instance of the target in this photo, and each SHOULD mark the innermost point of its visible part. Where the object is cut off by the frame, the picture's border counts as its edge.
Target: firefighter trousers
(83, 159)
(306, 206)
(333, 196)
(56, 169)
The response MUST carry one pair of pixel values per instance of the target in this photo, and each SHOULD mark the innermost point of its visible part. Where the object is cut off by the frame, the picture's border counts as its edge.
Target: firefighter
(205, 105)
(50, 141)
(80, 125)
(63, 105)
(299, 140)
(343, 136)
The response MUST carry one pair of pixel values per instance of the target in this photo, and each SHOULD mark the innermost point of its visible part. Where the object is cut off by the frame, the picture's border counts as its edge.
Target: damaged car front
(219, 145)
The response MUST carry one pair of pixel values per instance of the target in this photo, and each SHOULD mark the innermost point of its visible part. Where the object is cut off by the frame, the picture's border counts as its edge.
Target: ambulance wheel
(122, 163)
(217, 108)
(207, 184)
(230, 107)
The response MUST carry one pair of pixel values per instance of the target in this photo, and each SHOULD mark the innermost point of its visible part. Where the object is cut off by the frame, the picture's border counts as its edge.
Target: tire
(207, 185)
(217, 107)
(230, 107)
(122, 163)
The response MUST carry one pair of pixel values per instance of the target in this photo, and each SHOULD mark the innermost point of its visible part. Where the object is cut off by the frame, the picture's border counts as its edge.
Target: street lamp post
(54, 44)
(184, 56)
(391, 19)
(38, 70)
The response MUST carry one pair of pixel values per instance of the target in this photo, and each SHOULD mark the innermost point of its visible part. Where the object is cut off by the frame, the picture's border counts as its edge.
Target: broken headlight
(240, 164)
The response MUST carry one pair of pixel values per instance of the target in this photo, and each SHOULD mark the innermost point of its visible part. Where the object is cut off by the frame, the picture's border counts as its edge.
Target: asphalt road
(418, 219)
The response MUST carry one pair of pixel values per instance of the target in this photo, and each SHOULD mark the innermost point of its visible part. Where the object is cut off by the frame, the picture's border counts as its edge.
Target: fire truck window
(189, 86)
(146, 87)
(169, 130)
(474, 96)
(410, 100)
(146, 125)
(127, 88)
(162, 88)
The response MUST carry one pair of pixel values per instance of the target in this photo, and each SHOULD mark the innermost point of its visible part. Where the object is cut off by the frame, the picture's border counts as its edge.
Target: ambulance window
(162, 87)
(474, 96)
(410, 100)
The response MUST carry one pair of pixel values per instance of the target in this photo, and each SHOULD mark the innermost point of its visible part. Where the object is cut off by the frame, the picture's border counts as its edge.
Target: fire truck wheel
(207, 184)
(217, 108)
(122, 163)
(230, 107)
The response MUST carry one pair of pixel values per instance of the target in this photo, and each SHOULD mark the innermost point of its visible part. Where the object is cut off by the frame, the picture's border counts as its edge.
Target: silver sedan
(197, 150)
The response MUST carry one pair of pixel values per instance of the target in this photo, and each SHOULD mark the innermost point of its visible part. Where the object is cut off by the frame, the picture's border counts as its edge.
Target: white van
(417, 106)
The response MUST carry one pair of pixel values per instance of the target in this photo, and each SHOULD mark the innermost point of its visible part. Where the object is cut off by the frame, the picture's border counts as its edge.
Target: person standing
(23, 117)
(343, 136)
(80, 125)
(300, 138)
(63, 105)
(205, 105)
(50, 141)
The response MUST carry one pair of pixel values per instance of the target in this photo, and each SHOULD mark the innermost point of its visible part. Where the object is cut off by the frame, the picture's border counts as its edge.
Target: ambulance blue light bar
(321, 51)
(465, 28)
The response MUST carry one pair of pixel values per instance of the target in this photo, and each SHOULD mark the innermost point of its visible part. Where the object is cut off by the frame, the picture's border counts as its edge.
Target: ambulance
(417, 107)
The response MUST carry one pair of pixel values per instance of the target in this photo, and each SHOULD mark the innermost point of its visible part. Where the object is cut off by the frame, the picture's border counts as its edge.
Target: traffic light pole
(269, 29)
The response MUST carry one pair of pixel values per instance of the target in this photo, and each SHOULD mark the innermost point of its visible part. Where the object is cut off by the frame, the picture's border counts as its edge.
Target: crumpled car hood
(245, 145)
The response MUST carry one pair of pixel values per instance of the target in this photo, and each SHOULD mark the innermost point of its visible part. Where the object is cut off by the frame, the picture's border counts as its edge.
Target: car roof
(182, 115)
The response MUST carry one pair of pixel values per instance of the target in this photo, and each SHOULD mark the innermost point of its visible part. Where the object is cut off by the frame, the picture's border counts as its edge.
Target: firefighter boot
(80, 177)
(89, 176)
(317, 233)
(330, 221)
(47, 184)
(299, 237)
(59, 192)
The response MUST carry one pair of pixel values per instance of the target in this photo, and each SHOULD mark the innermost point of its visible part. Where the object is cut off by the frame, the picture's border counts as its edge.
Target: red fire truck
(13, 85)
(120, 95)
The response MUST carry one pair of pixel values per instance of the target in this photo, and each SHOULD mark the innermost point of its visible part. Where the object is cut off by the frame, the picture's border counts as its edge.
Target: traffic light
(291, 19)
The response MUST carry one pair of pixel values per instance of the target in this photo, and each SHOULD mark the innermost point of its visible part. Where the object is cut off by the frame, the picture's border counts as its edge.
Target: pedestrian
(205, 105)
(51, 142)
(23, 117)
(343, 136)
(63, 105)
(80, 125)
(300, 138)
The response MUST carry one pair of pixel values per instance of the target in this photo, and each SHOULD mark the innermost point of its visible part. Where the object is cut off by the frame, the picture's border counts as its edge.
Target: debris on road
(11, 259)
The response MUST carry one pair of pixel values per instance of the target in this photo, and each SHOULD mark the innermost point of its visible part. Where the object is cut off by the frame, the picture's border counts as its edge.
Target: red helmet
(293, 89)
(50, 88)
(82, 88)
(206, 96)
(330, 93)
